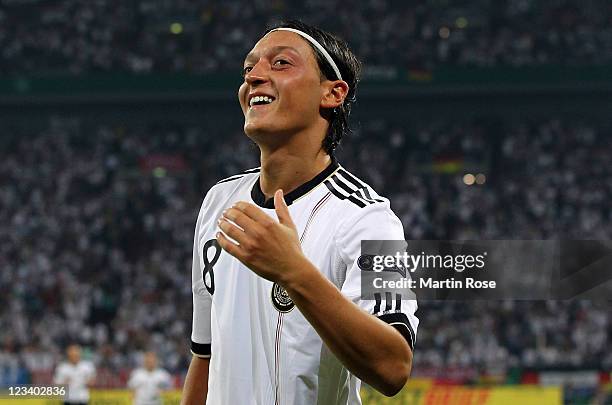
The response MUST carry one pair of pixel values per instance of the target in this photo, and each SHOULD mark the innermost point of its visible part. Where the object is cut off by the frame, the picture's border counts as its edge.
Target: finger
(254, 213)
(228, 245)
(282, 211)
(240, 218)
(231, 230)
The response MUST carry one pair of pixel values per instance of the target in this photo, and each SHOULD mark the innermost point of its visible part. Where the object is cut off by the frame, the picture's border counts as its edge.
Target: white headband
(317, 45)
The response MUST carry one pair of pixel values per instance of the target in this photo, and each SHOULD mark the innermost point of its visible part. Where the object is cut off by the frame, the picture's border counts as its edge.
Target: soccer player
(77, 374)
(149, 381)
(277, 317)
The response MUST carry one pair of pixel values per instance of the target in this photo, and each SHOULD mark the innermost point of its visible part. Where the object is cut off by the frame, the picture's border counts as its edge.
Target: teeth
(260, 99)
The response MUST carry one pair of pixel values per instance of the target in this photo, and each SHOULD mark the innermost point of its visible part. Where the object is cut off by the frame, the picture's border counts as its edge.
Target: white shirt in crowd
(148, 385)
(76, 377)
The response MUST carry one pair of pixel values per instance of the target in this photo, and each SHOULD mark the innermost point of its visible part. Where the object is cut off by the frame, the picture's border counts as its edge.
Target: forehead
(282, 40)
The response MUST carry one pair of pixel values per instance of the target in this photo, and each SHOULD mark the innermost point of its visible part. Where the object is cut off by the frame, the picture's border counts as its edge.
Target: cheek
(241, 95)
(303, 98)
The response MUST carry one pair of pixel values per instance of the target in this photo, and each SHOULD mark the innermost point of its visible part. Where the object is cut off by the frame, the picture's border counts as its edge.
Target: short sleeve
(133, 381)
(91, 370)
(375, 222)
(59, 376)
(202, 300)
(166, 380)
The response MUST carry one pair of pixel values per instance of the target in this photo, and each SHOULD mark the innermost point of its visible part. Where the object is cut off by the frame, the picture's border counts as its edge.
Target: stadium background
(117, 116)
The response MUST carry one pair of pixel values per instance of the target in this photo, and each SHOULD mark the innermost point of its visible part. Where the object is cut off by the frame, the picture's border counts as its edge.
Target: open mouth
(259, 101)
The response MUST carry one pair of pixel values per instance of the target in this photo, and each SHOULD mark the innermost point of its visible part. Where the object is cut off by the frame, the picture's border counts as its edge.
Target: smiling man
(277, 315)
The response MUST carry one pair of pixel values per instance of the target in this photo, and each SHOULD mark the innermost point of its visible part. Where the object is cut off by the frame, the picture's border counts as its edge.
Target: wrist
(302, 269)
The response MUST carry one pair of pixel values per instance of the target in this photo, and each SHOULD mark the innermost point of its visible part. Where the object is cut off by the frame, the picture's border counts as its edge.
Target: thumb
(282, 211)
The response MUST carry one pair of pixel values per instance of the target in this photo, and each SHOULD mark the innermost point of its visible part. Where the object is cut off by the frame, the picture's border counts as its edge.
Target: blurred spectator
(149, 381)
(77, 375)
(200, 36)
(97, 225)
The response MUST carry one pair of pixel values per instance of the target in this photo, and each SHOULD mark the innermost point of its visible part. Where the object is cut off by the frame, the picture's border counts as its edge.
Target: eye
(246, 70)
(280, 62)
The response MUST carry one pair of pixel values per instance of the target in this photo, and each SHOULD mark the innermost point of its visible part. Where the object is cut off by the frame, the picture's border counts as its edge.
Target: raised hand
(269, 247)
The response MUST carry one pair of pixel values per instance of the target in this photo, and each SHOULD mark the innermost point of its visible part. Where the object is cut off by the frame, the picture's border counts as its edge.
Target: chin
(253, 130)
(258, 129)
(264, 135)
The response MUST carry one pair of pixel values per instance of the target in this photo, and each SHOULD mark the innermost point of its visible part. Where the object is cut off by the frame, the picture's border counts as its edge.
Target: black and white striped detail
(277, 339)
(240, 175)
(394, 316)
(400, 322)
(200, 349)
(345, 186)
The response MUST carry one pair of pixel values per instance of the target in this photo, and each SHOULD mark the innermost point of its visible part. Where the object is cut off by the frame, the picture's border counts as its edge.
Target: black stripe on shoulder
(200, 349)
(367, 193)
(362, 194)
(400, 322)
(359, 184)
(342, 184)
(351, 178)
(240, 175)
(354, 193)
(357, 192)
(333, 188)
(352, 196)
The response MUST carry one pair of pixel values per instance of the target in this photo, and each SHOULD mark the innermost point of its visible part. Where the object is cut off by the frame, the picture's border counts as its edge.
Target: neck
(281, 169)
(291, 159)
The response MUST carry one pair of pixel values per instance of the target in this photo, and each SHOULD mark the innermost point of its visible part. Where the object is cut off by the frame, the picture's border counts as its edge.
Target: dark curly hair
(350, 69)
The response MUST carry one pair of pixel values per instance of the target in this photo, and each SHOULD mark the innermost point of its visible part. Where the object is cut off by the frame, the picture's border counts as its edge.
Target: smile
(258, 101)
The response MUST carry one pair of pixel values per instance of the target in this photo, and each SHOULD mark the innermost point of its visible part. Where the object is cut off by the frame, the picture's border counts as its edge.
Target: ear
(334, 93)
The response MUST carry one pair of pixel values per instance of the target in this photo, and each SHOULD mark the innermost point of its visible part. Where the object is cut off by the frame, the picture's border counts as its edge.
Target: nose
(258, 74)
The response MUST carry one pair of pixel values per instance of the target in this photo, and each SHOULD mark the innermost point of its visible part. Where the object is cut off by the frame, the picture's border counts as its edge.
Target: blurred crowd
(197, 36)
(96, 228)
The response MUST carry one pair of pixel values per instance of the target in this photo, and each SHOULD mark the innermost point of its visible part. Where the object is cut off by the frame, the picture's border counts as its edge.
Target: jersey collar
(260, 199)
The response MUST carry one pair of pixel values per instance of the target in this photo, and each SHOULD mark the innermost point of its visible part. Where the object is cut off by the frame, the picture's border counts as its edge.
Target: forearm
(369, 348)
(195, 389)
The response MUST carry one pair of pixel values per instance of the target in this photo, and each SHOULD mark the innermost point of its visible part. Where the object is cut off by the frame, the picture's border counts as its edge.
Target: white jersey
(262, 349)
(76, 377)
(148, 385)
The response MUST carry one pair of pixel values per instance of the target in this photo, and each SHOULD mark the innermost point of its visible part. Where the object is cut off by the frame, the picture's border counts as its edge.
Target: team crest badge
(281, 300)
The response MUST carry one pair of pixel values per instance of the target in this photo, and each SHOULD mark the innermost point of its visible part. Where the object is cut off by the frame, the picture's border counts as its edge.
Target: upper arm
(202, 300)
(375, 222)
(195, 389)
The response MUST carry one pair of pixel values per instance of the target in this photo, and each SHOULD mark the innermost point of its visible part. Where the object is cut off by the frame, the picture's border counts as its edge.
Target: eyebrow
(274, 49)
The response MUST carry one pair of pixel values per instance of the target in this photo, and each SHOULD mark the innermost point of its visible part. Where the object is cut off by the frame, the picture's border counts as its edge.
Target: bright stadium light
(481, 178)
(176, 28)
(159, 172)
(461, 22)
(444, 32)
(469, 179)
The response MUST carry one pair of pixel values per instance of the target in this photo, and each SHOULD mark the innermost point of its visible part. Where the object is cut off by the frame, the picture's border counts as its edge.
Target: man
(77, 374)
(149, 381)
(277, 315)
